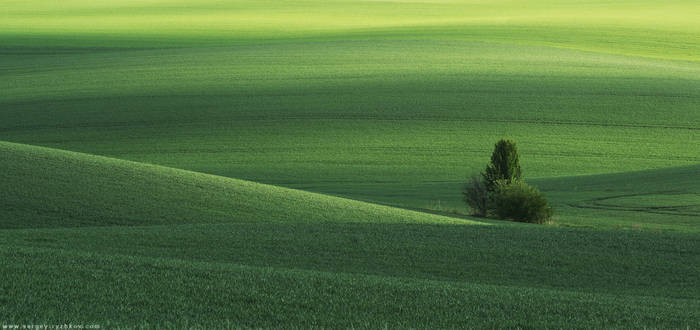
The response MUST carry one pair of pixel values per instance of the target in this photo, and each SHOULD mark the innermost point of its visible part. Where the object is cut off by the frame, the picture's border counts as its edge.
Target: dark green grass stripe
(624, 262)
(148, 292)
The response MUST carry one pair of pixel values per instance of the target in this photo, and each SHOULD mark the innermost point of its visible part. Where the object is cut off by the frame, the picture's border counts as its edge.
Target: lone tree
(501, 192)
(504, 166)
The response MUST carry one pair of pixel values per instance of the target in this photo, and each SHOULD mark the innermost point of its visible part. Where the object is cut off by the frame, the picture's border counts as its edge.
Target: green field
(148, 148)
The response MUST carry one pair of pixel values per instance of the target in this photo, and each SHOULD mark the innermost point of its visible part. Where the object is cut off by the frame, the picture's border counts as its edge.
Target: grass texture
(51, 188)
(283, 264)
(646, 27)
(367, 124)
(391, 102)
(189, 121)
(227, 295)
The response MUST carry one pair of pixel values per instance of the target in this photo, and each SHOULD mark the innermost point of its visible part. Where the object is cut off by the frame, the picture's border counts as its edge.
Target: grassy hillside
(355, 118)
(646, 27)
(51, 188)
(655, 199)
(362, 257)
(148, 148)
(395, 102)
(659, 199)
(143, 292)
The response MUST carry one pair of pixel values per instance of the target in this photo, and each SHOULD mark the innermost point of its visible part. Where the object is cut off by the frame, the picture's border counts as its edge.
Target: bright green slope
(666, 29)
(49, 188)
(223, 251)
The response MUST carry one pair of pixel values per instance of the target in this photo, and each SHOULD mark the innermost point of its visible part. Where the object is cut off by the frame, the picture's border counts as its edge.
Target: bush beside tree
(520, 202)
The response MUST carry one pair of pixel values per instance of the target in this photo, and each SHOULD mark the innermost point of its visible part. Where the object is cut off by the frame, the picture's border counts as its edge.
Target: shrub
(520, 202)
(476, 196)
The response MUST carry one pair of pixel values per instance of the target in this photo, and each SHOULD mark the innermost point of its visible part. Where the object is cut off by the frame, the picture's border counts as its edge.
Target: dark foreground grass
(151, 292)
(620, 262)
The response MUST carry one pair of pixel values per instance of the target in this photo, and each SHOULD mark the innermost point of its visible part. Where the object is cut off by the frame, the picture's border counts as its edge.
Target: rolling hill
(300, 163)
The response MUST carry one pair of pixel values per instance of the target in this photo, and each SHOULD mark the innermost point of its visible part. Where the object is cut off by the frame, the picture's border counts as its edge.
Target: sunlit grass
(645, 28)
